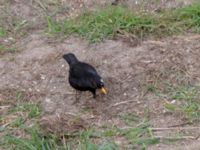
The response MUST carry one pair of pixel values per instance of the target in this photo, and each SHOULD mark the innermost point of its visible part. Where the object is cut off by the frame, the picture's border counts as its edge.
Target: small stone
(10, 39)
(48, 100)
(42, 77)
(173, 101)
(6, 40)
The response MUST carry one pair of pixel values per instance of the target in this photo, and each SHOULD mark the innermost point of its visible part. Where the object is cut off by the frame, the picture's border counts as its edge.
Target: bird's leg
(77, 97)
(94, 93)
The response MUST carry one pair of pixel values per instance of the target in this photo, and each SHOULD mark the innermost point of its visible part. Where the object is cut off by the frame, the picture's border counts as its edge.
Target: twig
(178, 125)
(3, 107)
(41, 5)
(176, 138)
(5, 125)
(64, 141)
(78, 134)
(175, 128)
(121, 103)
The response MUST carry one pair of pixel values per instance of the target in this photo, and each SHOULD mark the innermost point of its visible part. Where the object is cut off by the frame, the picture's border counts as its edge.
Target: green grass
(106, 23)
(190, 17)
(111, 21)
(187, 100)
(3, 47)
(83, 141)
(188, 96)
(2, 32)
(12, 28)
(33, 138)
(6, 49)
(33, 109)
(130, 118)
(23, 119)
(139, 133)
(37, 142)
(140, 137)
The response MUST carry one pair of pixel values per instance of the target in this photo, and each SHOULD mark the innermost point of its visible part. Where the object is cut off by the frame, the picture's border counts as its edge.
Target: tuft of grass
(190, 17)
(130, 118)
(183, 92)
(113, 20)
(37, 142)
(104, 23)
(110, 132)
(141, 136)
(34, 110)
(4, 49)
(86, 142)
(17, 123)
(108, 145)
(2, 32)
(21, 131)
(188, 102)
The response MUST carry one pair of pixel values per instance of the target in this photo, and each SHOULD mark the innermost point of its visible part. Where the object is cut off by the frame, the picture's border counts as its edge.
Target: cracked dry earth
(39, 71)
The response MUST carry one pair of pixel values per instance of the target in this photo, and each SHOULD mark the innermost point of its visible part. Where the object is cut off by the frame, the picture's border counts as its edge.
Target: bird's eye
(101, 83)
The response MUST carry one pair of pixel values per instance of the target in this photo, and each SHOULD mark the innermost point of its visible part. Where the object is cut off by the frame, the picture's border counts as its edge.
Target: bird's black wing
(84, 75)
(83, 70)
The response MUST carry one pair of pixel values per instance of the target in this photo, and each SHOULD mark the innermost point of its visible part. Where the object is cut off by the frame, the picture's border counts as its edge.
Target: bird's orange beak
(104, 90)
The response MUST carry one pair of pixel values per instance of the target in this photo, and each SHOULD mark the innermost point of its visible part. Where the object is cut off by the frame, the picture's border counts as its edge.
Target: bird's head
(70, 58)
(102, 87)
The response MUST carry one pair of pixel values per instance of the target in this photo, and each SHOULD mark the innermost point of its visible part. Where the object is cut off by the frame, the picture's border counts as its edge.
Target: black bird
(83, 76)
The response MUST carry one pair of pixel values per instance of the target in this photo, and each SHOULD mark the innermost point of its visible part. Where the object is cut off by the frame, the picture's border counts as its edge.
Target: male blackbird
(83, 76)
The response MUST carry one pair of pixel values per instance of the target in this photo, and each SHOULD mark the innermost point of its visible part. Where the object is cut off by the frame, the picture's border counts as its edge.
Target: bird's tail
(70, 58)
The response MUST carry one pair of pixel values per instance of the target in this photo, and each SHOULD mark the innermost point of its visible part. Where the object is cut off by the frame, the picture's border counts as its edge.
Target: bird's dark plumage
(83, 76)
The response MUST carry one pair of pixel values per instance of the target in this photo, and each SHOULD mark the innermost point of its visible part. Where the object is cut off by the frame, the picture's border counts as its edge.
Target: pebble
(42, 77)
(173, 101)
(48, 100)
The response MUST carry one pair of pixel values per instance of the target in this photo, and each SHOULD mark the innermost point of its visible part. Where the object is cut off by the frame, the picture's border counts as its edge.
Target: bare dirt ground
(40, 72)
